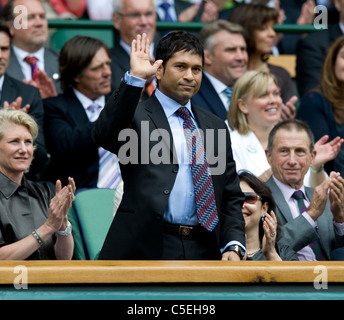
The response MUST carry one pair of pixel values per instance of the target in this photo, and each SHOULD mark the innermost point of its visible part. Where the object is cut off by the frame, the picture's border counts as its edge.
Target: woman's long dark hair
(261, 189)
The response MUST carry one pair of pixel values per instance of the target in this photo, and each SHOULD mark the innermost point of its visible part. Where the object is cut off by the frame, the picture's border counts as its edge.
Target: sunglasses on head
(251, 197)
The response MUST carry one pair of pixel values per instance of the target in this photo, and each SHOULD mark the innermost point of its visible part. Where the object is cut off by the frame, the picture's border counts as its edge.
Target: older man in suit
(225, 61)
(312, 220)
(69, 117)
(29, 29)
(176, 204)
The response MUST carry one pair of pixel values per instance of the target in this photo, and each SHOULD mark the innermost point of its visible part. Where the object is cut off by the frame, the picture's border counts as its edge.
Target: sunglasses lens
(251, 198)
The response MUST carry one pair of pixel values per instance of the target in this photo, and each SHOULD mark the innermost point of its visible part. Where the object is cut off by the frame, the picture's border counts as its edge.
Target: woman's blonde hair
(20, 118)
(251, 83)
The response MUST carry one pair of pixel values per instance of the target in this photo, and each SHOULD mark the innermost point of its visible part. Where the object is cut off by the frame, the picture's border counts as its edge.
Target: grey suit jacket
(51, 67)
(298, 233)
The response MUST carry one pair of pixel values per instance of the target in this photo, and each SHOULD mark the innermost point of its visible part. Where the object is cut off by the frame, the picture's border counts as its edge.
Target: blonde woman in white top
(256, 107)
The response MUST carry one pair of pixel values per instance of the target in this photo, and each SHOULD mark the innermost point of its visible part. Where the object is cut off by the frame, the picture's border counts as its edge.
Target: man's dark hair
(290, 125)
(7, 11)
(4, 28)
(177, 41)
(76, 54)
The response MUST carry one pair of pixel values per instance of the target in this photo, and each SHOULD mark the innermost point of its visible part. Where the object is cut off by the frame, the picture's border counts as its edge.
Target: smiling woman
(261, 226)
(34, 221)
(255, 109)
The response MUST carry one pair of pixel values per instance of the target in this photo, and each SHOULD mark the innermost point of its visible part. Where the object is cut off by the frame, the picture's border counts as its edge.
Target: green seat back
(59, 38)
(94, 209)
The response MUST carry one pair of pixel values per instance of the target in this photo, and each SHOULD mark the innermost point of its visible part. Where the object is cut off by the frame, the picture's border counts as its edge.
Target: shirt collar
(86, 102)
(169, 105)
(218, 85)
(7, 186)
(21, 54)
(286, 190)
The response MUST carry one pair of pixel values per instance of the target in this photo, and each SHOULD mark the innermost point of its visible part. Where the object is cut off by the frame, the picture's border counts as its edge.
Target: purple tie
(315, 245)
(202, 181)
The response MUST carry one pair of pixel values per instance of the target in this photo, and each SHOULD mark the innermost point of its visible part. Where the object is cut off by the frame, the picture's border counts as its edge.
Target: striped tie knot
(32, 61)
(184, 113)
(299, 197)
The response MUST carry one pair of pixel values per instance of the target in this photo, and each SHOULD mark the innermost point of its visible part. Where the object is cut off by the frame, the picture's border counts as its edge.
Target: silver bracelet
(319, 170)
(38, 237)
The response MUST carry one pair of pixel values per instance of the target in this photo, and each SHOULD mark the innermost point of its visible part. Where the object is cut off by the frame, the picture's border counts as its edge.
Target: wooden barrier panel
(153, 272)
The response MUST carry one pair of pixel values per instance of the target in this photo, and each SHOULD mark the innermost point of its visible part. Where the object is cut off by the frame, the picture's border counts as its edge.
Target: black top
(22, 209)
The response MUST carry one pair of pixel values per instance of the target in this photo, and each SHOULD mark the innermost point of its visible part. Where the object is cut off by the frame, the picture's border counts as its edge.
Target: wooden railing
(148, 272)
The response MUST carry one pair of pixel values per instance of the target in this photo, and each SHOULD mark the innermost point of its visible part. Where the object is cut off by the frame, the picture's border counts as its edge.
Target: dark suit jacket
(208, 99)
(137, 229)
(298, 233)
(310, 54)
(69, 141)
(12, 89)
(51, 67)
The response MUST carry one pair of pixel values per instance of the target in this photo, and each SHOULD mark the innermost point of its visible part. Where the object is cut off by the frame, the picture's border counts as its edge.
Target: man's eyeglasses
(137, 15)
(251, 197)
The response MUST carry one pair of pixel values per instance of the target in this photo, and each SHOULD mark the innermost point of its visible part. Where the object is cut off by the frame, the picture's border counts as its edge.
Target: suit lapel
(75, 109)
(211, 97)
(8, 92)
(14, 68)
(281, 203)
(158, 118)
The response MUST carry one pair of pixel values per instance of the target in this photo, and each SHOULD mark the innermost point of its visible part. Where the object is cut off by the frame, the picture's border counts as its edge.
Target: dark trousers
(203, 246)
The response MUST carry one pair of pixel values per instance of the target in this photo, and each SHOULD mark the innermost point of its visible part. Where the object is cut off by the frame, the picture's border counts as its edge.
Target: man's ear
(208, 58)
(313, 155)
(116, 20)
(268, 156)
(159, 73)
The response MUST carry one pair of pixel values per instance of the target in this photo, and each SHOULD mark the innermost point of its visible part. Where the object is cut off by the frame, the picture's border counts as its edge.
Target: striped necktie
(315, 245)
(32, 61)
(202, 181)
(109, 175)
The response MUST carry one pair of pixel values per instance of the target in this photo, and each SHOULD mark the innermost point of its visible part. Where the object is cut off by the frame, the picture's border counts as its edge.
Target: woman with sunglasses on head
(261, 227)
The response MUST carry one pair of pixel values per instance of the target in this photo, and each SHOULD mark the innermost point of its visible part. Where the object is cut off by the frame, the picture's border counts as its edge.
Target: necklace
(253, 252)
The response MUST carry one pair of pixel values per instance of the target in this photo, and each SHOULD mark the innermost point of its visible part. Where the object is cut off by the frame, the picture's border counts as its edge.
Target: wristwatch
(237, 249)
(67, 231)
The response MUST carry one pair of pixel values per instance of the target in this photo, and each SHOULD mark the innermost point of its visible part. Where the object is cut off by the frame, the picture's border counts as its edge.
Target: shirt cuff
(339, 228)
(309, 219)
(232, 243)
(134, 81)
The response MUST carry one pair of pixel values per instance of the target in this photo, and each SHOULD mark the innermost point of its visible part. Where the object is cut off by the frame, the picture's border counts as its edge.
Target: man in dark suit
(225, 61)
(312, 222)
(15, 94)
(69, 117)
(29, 41)
(160, 216)
(311, 51)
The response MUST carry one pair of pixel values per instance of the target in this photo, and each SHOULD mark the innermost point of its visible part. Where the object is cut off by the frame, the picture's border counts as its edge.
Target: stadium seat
(94, 211)
(59, 37)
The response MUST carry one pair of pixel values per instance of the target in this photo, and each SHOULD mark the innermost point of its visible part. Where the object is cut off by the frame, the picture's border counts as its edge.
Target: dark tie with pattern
(202, 181)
